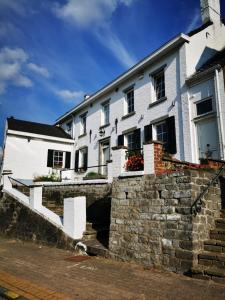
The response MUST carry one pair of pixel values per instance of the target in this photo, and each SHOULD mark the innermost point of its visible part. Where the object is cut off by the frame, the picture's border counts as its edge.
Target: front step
(212, 259)
(214, 246)
(217, 234)
(96, 248)
(209, 273)
(220, 223)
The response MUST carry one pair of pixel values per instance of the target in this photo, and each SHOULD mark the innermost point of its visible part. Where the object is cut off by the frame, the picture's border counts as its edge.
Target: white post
(74, 217)
(6, 181)
(149, 165)
(118, 158)
(36, 197)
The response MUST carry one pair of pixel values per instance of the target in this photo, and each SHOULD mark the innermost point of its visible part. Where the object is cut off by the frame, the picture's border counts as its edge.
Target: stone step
(220, 223)
(222, 213)
(214, 246)
(212, 259)
(208, 273)
(217, 234)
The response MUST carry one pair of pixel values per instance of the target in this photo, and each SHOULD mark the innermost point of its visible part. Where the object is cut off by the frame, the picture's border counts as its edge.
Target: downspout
(219, 113)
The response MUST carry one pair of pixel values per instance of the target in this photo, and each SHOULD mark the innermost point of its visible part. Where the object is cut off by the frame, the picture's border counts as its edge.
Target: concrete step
(220, 223)
(96, 248)
(208, 273)
(217, 234)
(212, 259)
(214, 246)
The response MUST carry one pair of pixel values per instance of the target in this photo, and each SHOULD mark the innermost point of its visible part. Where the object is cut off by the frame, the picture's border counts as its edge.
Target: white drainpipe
(219, 113)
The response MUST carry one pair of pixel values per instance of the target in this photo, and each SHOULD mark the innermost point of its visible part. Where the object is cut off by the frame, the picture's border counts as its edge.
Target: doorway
(104, 155)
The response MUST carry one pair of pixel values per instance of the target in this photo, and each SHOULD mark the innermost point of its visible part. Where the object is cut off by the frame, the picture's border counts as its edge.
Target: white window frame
(154, 77)
(127, 101)
(105, 113)
(56, 157)
(69, 130)
(81, 157)
(207, 113)
(155, 130)
(83, 125)
(131, 133)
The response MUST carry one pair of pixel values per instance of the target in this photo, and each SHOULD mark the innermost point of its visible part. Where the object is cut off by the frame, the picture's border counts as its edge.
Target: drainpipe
(219, 113)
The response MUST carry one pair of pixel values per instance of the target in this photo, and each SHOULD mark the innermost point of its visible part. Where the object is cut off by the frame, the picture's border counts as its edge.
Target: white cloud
(12, 61)
(194, 21)
(96, 15)
(38, 69)
(69, 95)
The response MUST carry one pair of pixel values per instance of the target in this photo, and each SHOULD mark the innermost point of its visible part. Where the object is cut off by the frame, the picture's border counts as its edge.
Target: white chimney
(210, 11)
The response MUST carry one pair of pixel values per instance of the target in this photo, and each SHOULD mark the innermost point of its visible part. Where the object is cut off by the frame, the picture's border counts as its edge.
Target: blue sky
(52, 52)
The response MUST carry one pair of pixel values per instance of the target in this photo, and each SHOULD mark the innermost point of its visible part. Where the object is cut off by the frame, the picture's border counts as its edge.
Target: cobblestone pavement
(40, 272)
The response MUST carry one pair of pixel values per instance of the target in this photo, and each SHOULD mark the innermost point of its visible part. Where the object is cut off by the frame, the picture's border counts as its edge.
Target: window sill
(157, 102)
(104, 126)
(128, 115)
(205, 116)
(82, 135)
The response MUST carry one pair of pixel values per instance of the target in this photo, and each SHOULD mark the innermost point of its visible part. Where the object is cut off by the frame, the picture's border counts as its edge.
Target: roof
(37, 128)
(172, 44)
(217, 59)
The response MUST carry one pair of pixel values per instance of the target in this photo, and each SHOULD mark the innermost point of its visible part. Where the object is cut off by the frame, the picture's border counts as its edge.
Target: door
(208, 140)
(104, 156)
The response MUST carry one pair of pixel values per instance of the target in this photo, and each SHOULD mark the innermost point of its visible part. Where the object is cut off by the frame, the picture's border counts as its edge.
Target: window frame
(128, 104)
(206, 113)
(164, 132)
(56, 157)
(69, 130)
(105, 114)
(161, 94)
(81, 157)
(83, 125)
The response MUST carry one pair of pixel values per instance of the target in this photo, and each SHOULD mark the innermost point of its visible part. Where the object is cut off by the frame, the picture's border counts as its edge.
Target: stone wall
(154, 224)
(18, 221)
(98, 198)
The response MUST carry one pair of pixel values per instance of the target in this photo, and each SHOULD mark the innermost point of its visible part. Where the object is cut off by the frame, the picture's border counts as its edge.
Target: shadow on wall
(206, 55)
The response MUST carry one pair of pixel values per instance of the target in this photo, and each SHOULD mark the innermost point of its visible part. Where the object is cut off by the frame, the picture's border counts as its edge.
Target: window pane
(130, 141)
(204, 107)
(159, 85)
(161, 132)
(130, 101)
(106, 114)
(58, 159)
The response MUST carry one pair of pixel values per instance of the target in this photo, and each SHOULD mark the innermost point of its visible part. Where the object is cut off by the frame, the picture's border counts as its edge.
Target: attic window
(204, 107)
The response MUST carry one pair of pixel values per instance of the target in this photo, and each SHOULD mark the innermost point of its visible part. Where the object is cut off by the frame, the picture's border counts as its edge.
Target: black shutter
(171, 144)
(76, 160)
(68, 158)
(148, 133)
(50, 158)
(120, 140)
(86, 159)
(137, 138)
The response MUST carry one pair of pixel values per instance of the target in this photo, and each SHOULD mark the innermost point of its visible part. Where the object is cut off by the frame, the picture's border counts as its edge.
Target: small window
(159, 85)
(83, 159)
(130, 101)
(105, 113)
(58, 159)
(204, 107)
(83, 120)
(162, 132)
(130, 141)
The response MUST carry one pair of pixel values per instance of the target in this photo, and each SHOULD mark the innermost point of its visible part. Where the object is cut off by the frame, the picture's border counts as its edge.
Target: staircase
(211, 262)
(95, 237)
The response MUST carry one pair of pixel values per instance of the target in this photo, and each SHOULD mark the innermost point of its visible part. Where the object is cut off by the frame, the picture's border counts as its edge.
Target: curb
(10, 295)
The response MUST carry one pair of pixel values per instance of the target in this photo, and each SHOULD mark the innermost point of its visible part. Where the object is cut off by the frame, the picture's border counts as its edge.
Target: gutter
(177, 41)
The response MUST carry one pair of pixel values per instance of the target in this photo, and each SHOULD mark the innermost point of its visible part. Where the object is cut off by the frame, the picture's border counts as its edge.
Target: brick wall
(154, 224)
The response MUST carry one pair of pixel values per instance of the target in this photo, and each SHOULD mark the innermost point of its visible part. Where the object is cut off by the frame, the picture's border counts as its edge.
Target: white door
(105, 156)
(208, 140)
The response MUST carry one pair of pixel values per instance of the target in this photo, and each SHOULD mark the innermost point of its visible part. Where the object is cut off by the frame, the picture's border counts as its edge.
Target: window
(130, 101)
(159, 85)
(83, 120)
(162, 132)
(58, 159)
(130, 141)
(83, 159)
(105, 113)
(69, 128)
(204, 107)
(133, 139)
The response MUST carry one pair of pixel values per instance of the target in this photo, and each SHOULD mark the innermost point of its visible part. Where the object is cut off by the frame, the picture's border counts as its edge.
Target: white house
(34, 149)
(174, 95)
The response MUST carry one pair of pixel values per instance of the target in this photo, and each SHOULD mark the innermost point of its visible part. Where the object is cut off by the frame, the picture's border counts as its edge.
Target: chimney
(210, 11)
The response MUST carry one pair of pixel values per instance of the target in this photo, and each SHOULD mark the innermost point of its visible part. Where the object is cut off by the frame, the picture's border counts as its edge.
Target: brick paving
(41, 272)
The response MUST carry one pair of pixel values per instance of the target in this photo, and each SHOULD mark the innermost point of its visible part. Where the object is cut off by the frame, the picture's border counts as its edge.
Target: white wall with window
(129, 101)
(105, 113)
(33, 157)
(83, 123)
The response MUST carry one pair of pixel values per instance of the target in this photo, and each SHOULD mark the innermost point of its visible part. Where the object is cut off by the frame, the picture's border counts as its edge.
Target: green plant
(50, 177)
(94, 175)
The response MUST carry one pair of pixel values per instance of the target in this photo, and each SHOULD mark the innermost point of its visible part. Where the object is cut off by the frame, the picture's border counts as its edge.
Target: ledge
(119, 147)
(157, 102)
(82, 135)
(128, 115)
(131, 174)
(103, 126)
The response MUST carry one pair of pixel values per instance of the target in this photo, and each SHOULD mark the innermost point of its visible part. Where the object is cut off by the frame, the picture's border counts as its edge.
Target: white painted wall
(27, 158)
